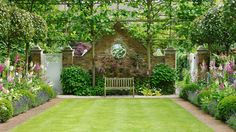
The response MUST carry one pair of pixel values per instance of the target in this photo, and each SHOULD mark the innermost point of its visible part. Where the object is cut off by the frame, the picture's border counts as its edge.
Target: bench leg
(104, 92)
(133, 92)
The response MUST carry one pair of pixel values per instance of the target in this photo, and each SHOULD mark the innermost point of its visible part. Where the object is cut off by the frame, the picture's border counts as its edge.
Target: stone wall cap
(36, 48)
(201, 48)
(67, 48)
(170, 49)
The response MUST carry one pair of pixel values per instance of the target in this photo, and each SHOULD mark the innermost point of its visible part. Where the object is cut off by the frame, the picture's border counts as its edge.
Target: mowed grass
(114, 115)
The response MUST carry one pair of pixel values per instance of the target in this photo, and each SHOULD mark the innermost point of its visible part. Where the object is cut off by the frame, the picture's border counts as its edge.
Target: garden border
(15, 121)
(216, 125)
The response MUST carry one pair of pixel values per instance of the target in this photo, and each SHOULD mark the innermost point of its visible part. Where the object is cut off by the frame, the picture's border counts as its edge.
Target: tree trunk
(26, 59)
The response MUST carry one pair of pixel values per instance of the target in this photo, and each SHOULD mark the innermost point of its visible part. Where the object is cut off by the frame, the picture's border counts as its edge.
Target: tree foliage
(217, 27)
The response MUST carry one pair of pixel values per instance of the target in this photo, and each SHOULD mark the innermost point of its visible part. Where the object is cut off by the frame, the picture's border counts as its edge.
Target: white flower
(1, 79)
(11, 68)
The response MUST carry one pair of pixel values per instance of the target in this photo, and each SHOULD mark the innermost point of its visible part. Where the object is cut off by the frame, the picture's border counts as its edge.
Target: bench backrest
(119, 82)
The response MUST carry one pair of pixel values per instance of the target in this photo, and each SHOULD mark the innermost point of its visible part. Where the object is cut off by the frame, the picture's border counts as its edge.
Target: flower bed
(18, 94)
(216, 93)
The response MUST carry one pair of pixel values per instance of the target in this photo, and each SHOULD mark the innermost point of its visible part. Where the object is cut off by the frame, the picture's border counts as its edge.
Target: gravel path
(13, 122)
(216, 125)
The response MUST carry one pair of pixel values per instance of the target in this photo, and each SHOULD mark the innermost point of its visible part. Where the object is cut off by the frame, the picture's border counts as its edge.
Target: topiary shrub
(188, 88)
(163, 79)
(227, 107)
(6, 110)
(75, 80)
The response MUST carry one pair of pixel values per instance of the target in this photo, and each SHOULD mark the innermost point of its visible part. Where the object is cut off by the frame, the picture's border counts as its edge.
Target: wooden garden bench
(119, 83)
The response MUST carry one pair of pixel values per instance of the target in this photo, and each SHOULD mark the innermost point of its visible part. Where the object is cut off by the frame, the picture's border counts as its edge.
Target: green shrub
(227, 107)
(232, 122)
(188, 88)
(212, 108)
(203, 94)
(49, 90)
(6, 110)
(163, 79)
(75, 80)
(41, 97)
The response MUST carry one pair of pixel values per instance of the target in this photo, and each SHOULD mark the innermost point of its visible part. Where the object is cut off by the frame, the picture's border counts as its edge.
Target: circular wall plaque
(118, 51)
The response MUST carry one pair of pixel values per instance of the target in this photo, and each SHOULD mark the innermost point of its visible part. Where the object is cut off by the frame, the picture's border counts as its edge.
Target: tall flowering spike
(7, 62)
(1, 87)
(17, 58)
(1, 68)
(212, 65)
(220, 68)
(229, 68)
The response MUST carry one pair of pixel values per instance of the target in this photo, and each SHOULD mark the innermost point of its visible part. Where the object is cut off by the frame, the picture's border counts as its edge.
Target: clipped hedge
(227, 107)
(6, 110)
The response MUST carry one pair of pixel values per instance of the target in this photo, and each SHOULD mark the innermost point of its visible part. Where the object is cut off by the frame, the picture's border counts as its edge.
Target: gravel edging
(216, 125)
(14, 121)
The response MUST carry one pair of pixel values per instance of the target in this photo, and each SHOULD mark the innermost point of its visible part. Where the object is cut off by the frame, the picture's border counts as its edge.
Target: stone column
(36, 55)
(67, 56)
(170, 57)
(203, 55)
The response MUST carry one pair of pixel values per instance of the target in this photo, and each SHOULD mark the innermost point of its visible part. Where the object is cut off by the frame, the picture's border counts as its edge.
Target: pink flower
(37, 67)
(222, 86)
(5, 91)
(1, 68)
(17, 59)
(10, 79)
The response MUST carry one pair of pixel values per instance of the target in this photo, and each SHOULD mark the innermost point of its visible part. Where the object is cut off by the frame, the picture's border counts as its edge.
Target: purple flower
(1, 68)
(234, 84)
(37, 67)
(17, 59)
(229, 68)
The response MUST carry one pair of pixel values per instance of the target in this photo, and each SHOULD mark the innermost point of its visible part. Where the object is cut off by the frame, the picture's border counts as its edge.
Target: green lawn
(121, 115)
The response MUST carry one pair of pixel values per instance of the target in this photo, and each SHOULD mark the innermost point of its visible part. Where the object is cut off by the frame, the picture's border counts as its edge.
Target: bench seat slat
(118, 83)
